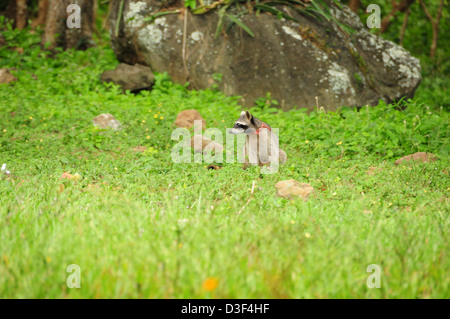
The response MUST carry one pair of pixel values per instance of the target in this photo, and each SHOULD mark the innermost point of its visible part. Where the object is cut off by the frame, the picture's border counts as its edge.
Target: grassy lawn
(141, 226)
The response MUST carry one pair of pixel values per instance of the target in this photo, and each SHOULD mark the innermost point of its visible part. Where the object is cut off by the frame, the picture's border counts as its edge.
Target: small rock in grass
(186, 119)
(291, 189)
(287, 183)
(105, 121)
(417, 157)
(200, 142)
(6, 76)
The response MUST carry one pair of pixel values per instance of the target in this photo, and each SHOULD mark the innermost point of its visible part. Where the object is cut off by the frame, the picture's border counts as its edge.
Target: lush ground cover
(139, 225)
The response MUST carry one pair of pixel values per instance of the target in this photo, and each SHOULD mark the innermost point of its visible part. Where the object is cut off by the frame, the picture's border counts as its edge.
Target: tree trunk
(21, 14)
(42, 14)
(56, 23)
(16, 11)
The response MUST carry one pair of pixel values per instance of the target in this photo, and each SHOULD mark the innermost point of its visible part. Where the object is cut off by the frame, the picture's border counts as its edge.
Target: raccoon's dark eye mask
(242, 126)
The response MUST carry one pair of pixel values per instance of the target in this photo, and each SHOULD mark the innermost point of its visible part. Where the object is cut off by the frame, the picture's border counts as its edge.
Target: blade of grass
(240, 23)
(275, 11)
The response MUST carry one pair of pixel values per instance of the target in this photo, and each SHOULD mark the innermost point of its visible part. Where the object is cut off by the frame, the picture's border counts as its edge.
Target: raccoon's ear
(250, 117)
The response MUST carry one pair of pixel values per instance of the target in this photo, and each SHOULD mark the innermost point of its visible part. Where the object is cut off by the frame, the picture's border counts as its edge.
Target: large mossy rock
(293, 61)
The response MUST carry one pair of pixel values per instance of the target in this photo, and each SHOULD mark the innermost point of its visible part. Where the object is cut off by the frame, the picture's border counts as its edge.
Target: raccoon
(261, 144)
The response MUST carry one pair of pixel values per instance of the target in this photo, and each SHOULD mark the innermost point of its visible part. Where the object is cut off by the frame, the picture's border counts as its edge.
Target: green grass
(155, 229)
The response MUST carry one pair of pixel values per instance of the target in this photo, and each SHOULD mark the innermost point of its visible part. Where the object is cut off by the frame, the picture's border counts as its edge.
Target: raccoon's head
(245, 124)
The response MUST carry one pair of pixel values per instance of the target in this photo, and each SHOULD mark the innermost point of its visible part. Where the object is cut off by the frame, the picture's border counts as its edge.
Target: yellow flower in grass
(161, 117)
(306, 141)
(210, 284)
(155, 116)
(339, 143)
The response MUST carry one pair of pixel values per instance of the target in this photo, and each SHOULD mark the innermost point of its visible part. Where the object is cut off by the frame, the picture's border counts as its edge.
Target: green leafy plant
(191, 4)
(265, 104)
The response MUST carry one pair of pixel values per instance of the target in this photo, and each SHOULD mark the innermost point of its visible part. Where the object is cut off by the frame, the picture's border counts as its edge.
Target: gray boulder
(130, 77)
(294, 61)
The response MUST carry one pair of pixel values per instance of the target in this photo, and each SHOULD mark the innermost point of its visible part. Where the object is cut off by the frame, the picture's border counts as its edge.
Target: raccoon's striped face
(243, 124)
(239, 128)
